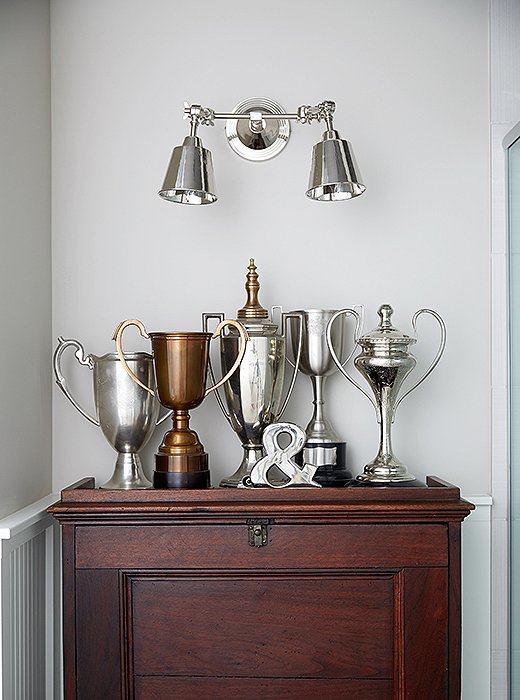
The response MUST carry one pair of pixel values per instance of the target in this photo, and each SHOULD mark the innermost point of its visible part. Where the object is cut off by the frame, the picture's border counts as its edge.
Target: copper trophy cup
(181, 366)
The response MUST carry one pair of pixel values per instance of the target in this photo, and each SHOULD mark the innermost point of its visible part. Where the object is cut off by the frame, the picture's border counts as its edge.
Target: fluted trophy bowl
(323, 448)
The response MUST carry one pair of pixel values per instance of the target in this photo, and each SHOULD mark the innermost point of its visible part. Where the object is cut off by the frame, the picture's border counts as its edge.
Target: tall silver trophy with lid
(323, 447)
(385, 361)
(254, 395)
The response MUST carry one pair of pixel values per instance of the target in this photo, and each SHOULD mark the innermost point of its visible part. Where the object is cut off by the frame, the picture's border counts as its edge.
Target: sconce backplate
(264, 144)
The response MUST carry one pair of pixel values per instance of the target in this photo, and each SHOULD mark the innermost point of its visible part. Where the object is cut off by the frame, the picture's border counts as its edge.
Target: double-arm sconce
(258, 129)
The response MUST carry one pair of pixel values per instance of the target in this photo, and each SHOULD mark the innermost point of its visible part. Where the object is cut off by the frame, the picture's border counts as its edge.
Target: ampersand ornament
(281, 457)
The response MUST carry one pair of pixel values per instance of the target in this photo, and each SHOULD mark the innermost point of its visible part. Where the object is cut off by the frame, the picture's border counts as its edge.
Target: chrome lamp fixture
(258, 129)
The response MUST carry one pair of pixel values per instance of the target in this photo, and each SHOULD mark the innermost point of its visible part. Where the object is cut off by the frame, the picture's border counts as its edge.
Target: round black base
(181, 480)
(334, 475)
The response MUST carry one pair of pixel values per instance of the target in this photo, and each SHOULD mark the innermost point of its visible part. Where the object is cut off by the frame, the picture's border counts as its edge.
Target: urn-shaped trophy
(125, 412)
(181, 366)
(385, 361)
(253, 396)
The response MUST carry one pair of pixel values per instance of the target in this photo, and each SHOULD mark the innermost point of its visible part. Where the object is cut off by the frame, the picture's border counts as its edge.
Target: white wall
(411, 84)
(25, 262)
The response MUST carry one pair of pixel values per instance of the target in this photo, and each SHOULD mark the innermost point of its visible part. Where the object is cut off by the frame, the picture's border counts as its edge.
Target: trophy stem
(252, 454)
(385, 423)
(319, 428)
(385, 467)
(128, 473)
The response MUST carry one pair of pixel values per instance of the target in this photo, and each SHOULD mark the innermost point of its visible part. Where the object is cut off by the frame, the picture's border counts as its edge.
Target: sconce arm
(205, 116)
(198, 116)
(322, 112)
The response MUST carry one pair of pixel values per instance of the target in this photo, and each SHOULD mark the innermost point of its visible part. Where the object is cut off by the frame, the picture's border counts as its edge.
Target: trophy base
(330, 458)
(128, 473)
(181, 471)
(252, 454)
(181, 480)
(383, 473)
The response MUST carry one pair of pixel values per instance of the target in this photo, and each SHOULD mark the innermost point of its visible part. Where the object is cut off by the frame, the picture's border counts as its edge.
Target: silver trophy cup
(126, 413)
(323, 448)
(254, 395)
(385, 361)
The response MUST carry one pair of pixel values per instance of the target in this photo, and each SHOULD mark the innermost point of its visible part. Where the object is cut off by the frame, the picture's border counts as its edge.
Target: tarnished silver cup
(126, 413)
(323, 447)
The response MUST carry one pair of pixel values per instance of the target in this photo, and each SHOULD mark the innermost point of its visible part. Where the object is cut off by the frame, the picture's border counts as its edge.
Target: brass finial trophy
(254, 394)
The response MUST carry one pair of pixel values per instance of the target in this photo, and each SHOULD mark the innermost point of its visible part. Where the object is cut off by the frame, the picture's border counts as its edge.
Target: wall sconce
(258, 129)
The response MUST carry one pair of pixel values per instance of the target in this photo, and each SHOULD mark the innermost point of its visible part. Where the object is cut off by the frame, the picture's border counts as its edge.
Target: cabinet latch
(257, 531)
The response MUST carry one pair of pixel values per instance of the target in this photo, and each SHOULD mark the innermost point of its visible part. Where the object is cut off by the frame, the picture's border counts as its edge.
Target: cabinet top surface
(436, 496)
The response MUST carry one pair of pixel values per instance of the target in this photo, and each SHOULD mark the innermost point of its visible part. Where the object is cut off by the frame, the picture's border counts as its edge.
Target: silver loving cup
(385, 362)
(323, 448)
(126, 413)
(253, 396)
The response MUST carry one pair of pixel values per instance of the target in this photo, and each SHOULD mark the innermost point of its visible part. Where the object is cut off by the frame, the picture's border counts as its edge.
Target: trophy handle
(118, 333)
(244, 337)
(357, 331)
(437, 357)
(296, 364)
(287, 358)
(163, 418)
(83, 359)
(357, 316)
(359, 325)
(205, 325)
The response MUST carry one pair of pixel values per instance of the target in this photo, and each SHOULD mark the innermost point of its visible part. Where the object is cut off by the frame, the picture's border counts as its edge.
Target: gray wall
(412, 89)
(25, 257)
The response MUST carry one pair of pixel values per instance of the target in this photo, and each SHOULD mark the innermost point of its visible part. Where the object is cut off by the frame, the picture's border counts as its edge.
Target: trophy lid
(252, 315)
(385, 333)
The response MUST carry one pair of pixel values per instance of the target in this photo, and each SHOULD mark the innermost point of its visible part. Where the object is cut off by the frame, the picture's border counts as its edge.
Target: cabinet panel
(424, 638)
(285, 627)
(98, 657)
(289, 546)
(171, 688)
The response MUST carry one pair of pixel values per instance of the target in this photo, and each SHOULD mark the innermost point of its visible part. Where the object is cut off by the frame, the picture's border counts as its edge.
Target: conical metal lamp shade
(190, 178)
(334, 171)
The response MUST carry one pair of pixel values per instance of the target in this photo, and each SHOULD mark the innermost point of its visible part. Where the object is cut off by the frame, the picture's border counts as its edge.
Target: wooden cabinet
(297, 594)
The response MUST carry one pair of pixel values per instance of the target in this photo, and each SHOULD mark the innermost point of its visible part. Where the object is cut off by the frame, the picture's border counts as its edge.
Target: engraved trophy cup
(323, 448)
(125, 412)
(254, 394)
(181, 367)
(385, 361)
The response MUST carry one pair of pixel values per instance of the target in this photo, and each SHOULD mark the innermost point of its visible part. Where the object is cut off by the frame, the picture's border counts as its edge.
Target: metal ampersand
(281, 457)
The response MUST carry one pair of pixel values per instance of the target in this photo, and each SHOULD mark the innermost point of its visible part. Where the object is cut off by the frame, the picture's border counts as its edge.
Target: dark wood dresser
(287, 594)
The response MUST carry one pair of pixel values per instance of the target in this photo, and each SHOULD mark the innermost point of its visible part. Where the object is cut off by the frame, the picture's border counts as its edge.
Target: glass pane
(513, 163)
